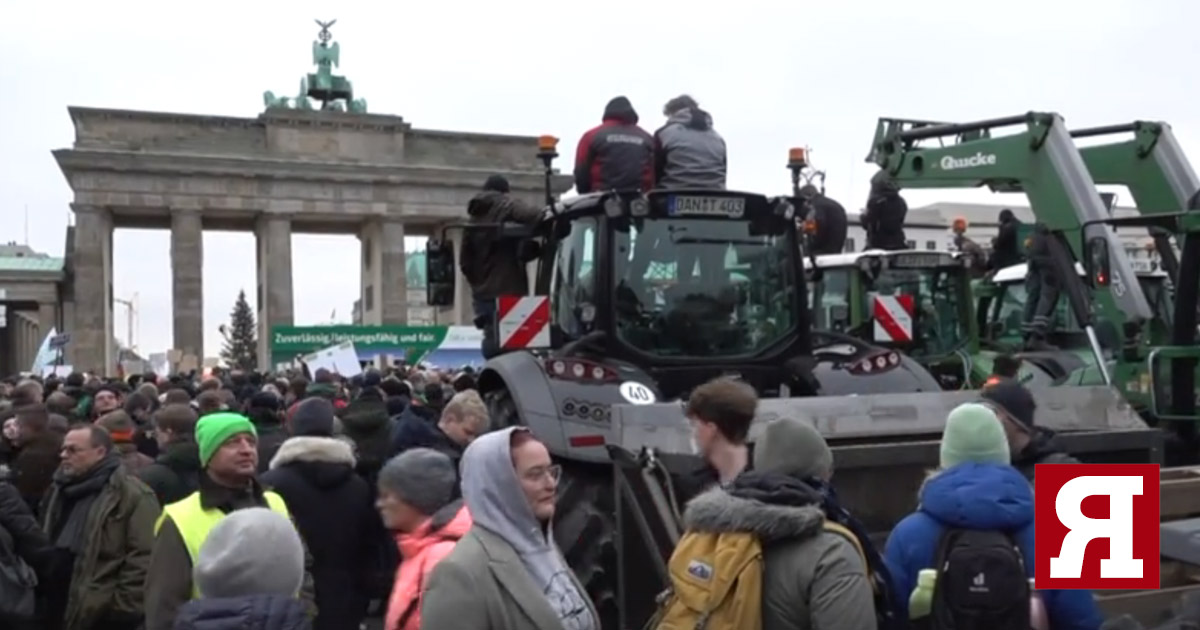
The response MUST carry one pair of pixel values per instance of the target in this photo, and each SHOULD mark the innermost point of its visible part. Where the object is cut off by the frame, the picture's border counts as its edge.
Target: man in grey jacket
(812, 578)
(688, 152)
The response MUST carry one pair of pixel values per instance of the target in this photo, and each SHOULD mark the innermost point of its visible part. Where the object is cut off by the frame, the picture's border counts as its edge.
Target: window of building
(850, 246)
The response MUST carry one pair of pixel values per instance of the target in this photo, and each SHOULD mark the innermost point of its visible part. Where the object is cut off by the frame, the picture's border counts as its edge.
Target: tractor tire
(584, 518)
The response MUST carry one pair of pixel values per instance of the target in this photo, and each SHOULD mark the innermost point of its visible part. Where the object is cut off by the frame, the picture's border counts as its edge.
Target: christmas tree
(241, 337)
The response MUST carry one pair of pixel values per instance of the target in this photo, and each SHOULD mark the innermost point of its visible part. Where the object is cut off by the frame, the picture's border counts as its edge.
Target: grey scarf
(77, 496)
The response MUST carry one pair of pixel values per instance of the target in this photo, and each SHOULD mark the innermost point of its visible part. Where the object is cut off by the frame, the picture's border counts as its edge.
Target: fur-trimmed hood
(325, 462)
(314, 449)
(729, 510)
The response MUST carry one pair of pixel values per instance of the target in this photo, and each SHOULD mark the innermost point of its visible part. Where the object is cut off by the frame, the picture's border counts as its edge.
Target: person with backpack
(975, 523)
(761, 551)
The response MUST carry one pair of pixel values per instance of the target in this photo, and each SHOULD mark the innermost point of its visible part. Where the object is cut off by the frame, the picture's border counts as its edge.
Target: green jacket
(109, 576)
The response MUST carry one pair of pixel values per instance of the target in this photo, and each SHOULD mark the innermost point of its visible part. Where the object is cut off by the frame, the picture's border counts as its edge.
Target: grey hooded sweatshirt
(689, 153)
(496, 502)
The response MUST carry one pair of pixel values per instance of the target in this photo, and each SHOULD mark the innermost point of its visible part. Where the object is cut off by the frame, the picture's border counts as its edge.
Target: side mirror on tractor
(1097, 262)
(439, 273)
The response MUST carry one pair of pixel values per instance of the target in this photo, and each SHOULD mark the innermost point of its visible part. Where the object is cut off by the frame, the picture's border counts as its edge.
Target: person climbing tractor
(1005, 245)
(493, 266)
(830, 219)
(883, 217)
(969, 247)
(1041, 288)
(617, 154)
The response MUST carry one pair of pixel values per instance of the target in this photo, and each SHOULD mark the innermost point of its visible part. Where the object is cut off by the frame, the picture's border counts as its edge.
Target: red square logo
(1096, 526)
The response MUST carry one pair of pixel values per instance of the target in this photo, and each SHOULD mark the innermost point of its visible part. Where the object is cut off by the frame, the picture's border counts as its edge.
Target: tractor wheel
(585, 529)
(584, 518)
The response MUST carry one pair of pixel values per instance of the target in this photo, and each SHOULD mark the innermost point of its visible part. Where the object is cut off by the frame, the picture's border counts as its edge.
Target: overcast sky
(773, 74)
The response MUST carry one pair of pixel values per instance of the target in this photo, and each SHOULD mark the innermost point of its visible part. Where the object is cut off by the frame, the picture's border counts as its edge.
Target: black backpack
(981, 583)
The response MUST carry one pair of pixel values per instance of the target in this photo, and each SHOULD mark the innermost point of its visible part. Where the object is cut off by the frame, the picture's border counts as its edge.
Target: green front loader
(1149, 360)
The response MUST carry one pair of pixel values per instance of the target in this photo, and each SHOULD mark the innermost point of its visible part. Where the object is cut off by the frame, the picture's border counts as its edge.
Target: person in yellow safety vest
(228, 446)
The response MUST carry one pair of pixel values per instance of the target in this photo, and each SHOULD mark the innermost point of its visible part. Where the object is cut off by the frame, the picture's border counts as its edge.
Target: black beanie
(265, 400)
(1014, 399)
(497, 183)
(313, 417)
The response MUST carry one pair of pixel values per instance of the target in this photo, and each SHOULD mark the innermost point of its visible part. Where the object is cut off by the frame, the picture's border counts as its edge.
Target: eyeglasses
(536, 474)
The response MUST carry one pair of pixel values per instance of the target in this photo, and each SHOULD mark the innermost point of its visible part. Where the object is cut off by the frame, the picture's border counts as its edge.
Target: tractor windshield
(702, 287)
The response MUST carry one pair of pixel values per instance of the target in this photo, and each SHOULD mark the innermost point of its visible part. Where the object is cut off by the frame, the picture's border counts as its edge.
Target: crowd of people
(116, 493)
(246, 502)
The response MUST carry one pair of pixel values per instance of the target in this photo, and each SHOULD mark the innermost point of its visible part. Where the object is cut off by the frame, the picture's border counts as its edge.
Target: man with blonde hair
(462, 420)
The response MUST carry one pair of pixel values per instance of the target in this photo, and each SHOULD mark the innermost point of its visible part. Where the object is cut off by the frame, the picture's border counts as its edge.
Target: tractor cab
(686, 285)
(915, 302)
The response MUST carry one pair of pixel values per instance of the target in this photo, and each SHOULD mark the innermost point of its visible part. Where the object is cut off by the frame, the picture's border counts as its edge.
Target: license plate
(921, 260)
(733, 207)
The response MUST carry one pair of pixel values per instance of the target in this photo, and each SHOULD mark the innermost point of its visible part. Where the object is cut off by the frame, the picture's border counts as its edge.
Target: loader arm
(1040, 160)
(1153, 167)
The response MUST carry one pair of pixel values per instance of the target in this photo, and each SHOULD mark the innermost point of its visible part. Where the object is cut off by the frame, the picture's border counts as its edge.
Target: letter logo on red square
(1096, 526)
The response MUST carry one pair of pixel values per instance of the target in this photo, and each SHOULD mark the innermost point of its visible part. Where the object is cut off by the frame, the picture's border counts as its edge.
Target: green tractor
(1000, 304)
(920, 303)
(1160, 179)
(1152, 361)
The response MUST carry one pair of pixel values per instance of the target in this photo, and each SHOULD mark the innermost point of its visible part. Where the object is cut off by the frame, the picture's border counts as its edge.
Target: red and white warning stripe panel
(524, 321)
(893, 315)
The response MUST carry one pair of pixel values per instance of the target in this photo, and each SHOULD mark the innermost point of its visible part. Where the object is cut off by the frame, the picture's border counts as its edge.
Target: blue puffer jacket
(979, 496)
(251, 612)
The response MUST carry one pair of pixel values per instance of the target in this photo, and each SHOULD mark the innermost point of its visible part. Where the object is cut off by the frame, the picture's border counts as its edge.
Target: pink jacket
(420, 550)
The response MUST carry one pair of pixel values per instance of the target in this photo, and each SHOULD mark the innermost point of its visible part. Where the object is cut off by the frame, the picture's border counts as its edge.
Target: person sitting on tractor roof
(493, 266)
(617, 154)
(883, 217)
(688, 152)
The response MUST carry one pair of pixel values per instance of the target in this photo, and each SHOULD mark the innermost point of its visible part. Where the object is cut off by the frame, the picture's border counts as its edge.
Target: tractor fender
(572, 418)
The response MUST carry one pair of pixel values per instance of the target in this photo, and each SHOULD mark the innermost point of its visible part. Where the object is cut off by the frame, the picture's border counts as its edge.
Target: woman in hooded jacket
(975, 488)
(416, 490)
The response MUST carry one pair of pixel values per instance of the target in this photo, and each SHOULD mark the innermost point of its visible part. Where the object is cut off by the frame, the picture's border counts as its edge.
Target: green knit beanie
(973, 434)
(212, 431)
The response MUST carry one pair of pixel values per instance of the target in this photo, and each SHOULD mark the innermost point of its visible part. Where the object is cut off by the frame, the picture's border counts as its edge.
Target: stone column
(187, 284)
(32, 343)
(24, 343)
(47, 319)
(274, 234)
(384, 279)
(47, 323)
(460, 313)
(91, 346)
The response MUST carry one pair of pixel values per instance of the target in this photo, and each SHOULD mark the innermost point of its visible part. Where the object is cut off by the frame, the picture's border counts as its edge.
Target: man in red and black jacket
(617, 155)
